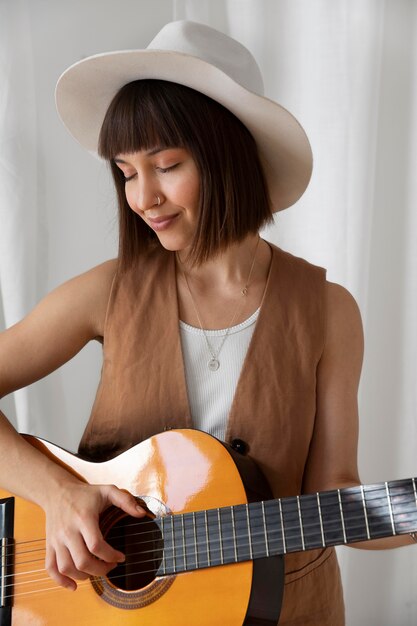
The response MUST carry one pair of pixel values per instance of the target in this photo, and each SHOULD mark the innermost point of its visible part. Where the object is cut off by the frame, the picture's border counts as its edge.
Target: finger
(125, 501)
(53, 569)
(92, 555)
(97, 546)
(85, 562)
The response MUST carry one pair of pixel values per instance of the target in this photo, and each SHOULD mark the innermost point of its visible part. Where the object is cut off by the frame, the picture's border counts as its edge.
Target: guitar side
(186, 471)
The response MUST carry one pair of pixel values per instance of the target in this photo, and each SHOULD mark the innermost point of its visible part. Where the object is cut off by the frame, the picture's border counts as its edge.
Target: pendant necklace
(213, 363)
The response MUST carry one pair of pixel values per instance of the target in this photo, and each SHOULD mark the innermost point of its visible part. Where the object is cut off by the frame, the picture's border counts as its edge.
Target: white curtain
(348, 71)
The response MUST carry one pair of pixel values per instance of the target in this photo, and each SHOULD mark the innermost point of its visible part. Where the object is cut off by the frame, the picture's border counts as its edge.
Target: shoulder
(78, 305)
(89, 292)
(344, 333)
(296, 271)
(341, 305)
(57, 328)
(98, 276)
(97, 281)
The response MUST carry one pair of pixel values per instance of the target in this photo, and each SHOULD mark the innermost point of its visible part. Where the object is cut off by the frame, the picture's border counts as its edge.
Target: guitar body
(176, 472)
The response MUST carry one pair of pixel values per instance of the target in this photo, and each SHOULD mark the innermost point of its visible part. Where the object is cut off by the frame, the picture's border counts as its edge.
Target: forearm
(385, 544)
(24, 470)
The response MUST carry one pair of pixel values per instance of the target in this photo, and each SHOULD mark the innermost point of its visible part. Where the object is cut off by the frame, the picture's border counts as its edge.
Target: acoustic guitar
(210, 552)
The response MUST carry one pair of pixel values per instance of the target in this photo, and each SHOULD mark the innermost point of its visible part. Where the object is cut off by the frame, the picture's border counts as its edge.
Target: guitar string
(306, 507)
(181, 557)
(287, 529)
(330, 526)
(256, 516)
(153, 570)
(307, 527)
(86, 584)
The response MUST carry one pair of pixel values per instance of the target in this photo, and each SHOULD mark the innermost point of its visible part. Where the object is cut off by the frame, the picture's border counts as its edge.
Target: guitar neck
(276, 527)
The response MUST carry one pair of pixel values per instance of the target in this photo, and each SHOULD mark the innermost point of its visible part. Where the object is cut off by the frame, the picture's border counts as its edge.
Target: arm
(49, 336)
(332, 460)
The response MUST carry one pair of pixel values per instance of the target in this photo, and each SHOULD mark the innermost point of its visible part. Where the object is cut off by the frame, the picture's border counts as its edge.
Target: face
(170, 174)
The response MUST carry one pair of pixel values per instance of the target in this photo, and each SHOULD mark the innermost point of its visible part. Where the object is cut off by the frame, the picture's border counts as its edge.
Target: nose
(146, 194)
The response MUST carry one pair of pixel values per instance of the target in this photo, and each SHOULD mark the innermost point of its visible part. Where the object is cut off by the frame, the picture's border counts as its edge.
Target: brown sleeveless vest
(143, 391)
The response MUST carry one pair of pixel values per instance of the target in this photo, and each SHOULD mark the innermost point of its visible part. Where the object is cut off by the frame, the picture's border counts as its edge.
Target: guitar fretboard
(250, 531)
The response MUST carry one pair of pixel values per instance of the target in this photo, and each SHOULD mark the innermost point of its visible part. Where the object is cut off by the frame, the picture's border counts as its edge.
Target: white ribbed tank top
(210, 394)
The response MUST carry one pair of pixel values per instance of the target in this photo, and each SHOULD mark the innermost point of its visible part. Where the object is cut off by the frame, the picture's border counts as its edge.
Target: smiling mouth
(162, 222)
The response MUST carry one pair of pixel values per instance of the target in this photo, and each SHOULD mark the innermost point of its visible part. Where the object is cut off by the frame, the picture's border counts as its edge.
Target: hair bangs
(139, 118)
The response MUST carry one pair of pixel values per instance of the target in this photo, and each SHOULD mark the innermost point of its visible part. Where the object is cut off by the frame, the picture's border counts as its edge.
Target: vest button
(240, 446)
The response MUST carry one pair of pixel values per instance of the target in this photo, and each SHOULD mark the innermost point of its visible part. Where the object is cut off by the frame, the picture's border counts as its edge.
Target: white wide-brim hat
(208, 61)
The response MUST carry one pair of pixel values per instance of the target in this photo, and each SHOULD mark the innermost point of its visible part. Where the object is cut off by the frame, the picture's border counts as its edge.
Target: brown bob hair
(234, 198)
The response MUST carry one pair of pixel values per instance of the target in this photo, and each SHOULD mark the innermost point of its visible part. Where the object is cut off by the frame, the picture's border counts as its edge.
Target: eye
(127, 178)
(164, 170)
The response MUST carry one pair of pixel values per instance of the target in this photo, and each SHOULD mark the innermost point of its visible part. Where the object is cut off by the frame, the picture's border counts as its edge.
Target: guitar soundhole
(141, 542)
(134, 583)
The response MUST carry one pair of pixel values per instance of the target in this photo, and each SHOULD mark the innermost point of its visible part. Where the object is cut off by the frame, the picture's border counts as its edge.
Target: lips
(162, 221)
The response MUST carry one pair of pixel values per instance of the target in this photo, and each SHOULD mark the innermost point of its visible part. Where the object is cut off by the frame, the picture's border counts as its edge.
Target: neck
(214, 289)
(229, 268)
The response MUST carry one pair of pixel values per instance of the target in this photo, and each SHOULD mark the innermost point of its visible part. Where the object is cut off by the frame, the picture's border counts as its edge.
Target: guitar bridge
(6, 560)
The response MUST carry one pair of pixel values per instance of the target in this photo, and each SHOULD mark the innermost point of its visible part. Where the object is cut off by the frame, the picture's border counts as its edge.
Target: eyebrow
(150, 152)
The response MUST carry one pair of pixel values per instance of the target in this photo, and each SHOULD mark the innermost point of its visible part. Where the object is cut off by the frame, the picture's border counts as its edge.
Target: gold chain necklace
(213, 363)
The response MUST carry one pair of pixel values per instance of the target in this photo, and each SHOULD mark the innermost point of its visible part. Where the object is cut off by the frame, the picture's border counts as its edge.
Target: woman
(200, 162)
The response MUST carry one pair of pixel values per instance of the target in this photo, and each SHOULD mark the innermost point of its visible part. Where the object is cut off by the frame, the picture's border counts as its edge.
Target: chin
(174, 244)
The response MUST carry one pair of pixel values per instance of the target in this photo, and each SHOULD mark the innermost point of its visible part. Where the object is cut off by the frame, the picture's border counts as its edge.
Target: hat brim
(85, 90)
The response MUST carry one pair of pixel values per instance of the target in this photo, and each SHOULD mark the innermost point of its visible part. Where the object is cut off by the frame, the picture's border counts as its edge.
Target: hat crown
(213, 47)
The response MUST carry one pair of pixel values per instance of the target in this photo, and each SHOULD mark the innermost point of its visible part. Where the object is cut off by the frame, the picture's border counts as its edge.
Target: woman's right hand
(75, 546)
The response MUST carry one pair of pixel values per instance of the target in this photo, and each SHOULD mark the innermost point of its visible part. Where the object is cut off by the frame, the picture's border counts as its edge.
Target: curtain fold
(347, 69)
(21, 235)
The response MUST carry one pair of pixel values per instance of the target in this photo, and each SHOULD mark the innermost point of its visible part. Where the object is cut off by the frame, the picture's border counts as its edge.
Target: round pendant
(213, 364)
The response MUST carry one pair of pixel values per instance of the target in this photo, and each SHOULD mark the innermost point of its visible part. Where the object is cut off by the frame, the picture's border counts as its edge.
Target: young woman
(203, 323)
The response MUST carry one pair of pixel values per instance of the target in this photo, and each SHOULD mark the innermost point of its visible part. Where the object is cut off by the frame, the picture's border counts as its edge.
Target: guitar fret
(234, 531)
(249, 533)
(311, 526)
(229, 545)
(207, 539)
(365, 512)
(259, 546)
(323, 543)
(244, 527)
(301, 523)
(265, 530)
(293, 530)
(341, 516)
(183, 542)
(168, 549)
(202, 539)
(163, 563)
(220, 536)
(403, 502)
(188, 536)
(195, 539)
(284, 541)
(179, 543)
(214, 537)
(394, 532)
(173, 545)
(378, 512)
(274, 537)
